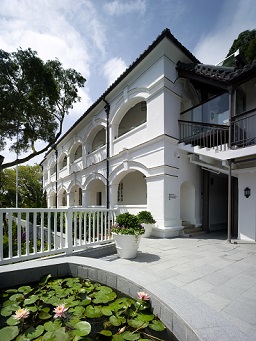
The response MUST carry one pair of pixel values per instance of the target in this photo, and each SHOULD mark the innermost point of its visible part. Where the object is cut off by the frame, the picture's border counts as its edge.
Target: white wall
(247, 207)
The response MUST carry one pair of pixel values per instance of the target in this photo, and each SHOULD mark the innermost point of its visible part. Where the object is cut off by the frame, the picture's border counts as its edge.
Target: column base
(166, 232)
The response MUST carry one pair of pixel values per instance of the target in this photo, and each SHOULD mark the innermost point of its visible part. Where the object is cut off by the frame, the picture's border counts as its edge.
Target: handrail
(224, 126)
(27, 233)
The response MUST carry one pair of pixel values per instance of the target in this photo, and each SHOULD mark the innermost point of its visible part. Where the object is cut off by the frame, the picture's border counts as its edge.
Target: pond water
(76, 309)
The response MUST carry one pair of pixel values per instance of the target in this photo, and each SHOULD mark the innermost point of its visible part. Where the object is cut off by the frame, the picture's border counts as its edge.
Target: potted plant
(127, 233)
(147, 221)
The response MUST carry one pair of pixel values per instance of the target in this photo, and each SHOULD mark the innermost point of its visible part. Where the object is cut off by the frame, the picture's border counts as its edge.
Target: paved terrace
(220, 274)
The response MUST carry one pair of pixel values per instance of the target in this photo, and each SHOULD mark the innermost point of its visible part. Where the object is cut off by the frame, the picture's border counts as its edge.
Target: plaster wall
(247, 211)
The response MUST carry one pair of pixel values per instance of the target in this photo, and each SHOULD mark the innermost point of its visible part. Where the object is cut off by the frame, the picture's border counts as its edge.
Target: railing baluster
(35, 232)
(19, 235)
(27, 233)
(92, 226)
(42, 232)
(10, 217)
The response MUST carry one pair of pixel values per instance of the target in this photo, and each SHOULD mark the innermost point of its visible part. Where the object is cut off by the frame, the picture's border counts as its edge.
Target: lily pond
(57, 309)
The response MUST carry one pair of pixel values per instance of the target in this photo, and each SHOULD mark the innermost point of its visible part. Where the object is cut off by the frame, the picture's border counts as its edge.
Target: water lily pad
(93, 312)
(33, 333)
(102, 297)
(11, 321)
(104, 289)
(25, 289)
(105, 333)
(43, 315)
(157, 326)
(116, 321)
(106, 311)
(137, 324)
(32, 299)
(121, 303)
(8, 333)
(117, 337)
(58, 335)
(8, 310)
(145, 316)
(83, 328)
(16, 297)
(78, 310)
(130, 336)
(52, 326)
(11, 291)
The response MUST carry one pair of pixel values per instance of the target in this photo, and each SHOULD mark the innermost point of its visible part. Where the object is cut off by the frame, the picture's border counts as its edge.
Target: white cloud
(113, 69)
(120, 7)
(213, 47)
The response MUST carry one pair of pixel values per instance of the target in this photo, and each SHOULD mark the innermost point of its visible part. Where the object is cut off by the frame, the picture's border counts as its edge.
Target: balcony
(208, 126)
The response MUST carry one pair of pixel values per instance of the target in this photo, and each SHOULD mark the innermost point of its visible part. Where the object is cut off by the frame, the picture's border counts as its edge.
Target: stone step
(191, 231)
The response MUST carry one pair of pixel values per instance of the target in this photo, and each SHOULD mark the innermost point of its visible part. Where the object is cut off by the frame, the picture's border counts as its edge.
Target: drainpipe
(107, 110)
(230, 165)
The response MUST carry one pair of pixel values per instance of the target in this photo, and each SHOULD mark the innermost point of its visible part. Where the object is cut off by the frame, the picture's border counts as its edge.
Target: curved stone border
(188, 318)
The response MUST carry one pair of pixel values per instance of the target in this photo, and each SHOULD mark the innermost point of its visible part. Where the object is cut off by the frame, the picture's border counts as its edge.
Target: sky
(101, 38)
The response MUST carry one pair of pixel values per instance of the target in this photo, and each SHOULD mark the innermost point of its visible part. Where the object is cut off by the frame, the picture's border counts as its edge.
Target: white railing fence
(32, 233)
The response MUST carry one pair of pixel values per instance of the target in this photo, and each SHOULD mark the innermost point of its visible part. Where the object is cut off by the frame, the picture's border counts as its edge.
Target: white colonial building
(172, 136)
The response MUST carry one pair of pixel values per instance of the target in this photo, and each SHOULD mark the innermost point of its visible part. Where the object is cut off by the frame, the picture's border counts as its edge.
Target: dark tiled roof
(227, 75)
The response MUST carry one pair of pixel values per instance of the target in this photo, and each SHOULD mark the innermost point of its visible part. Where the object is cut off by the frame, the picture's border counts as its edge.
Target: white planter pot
(148, 230)
(126, 245)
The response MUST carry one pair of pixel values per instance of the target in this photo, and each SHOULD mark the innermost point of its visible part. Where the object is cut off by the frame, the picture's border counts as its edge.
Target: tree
(35, 96)
(246, 43)
(30, 188)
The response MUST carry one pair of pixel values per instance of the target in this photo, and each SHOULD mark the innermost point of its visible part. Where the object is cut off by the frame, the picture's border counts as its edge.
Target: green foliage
(91, 310)
(127, 223)
(246, 43)
(145, 217)
(30, 189)
(35, 96)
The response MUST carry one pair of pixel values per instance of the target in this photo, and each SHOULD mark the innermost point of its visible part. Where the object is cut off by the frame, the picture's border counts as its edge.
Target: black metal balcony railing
(203, 134)
(243, 132)
(244, 129)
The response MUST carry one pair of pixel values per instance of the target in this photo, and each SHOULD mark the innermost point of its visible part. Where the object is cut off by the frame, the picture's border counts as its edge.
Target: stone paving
(221, 274)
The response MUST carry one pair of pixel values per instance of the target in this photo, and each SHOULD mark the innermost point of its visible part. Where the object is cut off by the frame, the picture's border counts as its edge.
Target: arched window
(78, 152)
(99, 139)
(63, 162)
(53, 168)
(134, 117)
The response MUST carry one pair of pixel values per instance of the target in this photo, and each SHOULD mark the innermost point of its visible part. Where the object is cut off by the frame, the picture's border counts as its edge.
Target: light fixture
(247, 192)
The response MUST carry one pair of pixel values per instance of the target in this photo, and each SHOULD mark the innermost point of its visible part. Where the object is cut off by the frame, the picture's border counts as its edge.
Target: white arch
(74, 183)
(122, 108)
(94, 176)
(125, 168)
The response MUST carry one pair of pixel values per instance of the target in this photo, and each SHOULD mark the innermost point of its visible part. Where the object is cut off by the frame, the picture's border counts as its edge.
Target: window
(78, 152)
(98, 198)
(120, 196)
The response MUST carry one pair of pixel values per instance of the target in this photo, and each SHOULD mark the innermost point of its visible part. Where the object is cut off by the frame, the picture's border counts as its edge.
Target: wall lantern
(247, 192)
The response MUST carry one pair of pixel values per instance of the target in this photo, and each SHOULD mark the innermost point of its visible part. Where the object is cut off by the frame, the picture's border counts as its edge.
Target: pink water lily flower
(143, 296)
(60, 311)
(21, 314)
